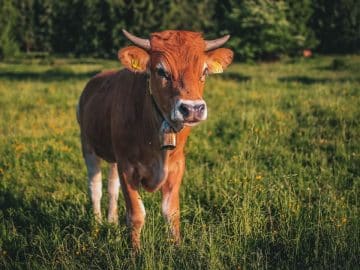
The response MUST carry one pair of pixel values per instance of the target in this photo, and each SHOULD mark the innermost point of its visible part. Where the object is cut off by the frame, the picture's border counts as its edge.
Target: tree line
(260, 29)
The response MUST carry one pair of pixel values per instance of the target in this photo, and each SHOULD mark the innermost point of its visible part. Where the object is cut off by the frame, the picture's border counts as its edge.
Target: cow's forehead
(177, 39)
(179, 49)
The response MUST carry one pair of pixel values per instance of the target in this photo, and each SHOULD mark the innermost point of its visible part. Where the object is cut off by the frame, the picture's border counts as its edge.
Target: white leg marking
(142, 207)
(113, 190)
(129, 214)
(165, 207)
(168, 215)
(95, 183)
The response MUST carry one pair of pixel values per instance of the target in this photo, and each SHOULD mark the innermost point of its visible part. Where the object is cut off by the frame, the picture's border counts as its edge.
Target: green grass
(272, 177)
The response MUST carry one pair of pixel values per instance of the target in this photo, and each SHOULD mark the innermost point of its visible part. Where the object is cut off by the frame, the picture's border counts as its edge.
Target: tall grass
(272, 177)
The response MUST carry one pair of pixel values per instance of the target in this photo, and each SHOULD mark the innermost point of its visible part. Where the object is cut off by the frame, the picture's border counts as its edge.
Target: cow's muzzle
(189, 112)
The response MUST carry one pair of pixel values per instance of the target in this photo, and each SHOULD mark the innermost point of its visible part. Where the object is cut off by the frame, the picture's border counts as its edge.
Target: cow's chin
(191, 123)
(176, 125)
(179, 125)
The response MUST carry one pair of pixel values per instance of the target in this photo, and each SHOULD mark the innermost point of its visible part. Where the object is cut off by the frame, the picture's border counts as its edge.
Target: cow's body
(121, 115)
(120, 123)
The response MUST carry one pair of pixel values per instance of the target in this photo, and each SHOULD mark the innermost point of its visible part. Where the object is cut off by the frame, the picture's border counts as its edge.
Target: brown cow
(138, 119)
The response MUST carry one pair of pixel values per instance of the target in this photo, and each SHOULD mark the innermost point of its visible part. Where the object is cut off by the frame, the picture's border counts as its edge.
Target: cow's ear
(134, 58)
(218, 60)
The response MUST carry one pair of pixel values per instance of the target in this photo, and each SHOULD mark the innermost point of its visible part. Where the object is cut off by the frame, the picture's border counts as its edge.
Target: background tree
(8, 18)
(337, 25)
(299, 13)
(68, 18)
(189, 15)
(44, 25)
(95, 35)
(259, 28)
(25, 25)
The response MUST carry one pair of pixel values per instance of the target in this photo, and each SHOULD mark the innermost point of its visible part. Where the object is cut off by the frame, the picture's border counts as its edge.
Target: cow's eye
(204, 74)
(162, 73)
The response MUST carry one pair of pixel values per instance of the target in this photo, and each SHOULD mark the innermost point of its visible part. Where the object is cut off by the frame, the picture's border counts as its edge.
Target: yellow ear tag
(135, 64)
(216, 67)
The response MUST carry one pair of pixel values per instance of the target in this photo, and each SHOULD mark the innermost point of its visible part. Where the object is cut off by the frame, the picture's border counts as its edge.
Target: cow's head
(178, 63)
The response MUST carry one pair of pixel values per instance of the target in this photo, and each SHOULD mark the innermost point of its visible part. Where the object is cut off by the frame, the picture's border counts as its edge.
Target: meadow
(272, 178)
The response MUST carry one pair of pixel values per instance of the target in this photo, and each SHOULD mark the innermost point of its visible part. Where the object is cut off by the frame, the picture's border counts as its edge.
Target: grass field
(272, 177)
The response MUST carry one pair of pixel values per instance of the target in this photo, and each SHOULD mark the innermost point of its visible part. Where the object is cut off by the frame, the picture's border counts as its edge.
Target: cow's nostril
(184, 110)
(200, 108)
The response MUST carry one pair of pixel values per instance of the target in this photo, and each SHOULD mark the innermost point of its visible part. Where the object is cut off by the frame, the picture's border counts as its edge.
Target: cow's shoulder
(116, 78)
(111, 85)
(103, 81)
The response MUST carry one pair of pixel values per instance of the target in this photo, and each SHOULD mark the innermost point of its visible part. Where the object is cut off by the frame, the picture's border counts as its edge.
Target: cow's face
(178, 64)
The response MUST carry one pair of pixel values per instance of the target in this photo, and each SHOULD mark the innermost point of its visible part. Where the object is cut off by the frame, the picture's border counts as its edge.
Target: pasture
(272, 178)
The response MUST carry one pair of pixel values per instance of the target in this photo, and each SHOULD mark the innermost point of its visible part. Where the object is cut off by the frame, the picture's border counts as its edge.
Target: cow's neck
(151, 111)
(167, 133)
(150, 119)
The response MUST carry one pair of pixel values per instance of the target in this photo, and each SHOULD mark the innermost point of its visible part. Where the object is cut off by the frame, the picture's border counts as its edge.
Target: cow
(139, 118)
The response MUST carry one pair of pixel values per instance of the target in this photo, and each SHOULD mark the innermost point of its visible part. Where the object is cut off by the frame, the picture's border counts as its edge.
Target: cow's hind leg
(94, 177)
(113, 190)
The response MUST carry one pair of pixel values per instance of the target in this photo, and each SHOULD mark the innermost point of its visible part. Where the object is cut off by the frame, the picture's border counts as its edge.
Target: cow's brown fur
(120, 119)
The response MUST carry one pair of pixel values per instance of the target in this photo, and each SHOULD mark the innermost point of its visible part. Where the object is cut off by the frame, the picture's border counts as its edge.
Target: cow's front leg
(170, 199)
(135, 211)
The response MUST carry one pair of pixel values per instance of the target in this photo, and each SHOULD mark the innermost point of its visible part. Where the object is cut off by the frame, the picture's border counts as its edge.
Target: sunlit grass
(272, 177)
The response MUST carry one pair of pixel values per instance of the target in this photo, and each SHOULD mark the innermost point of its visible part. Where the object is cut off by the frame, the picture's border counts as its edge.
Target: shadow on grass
(313, 80)
(47, 76)
(32, 230)
(41, 213)
(332, 68)
(63, 74)
(235, 77)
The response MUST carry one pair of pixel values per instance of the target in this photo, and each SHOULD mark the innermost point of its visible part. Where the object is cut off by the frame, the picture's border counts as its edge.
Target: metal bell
(167, 137)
